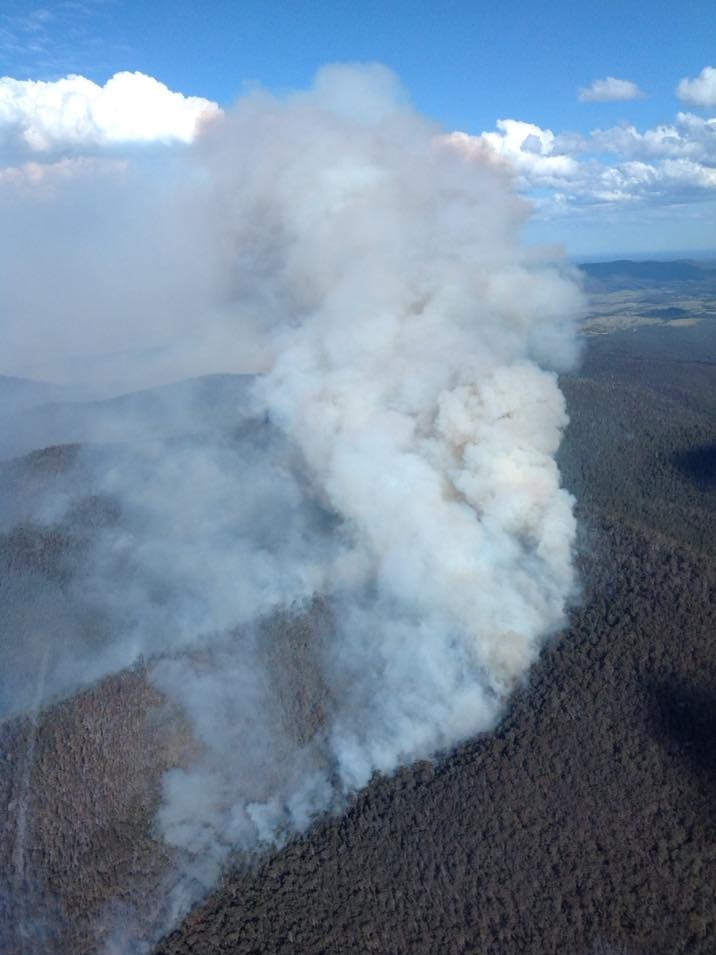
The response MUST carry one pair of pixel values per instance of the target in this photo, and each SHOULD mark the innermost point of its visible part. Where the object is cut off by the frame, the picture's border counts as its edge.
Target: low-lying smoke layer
(396, 461)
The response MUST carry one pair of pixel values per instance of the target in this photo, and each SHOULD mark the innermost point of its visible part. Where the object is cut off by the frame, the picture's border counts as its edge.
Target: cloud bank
(74, 129)
(390, 473)
(75, 112)
(567, 173)
(596, 179)
(700, 91)
(610, 90)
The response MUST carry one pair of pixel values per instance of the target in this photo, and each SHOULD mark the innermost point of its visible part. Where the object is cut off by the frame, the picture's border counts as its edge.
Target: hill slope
(585, 824)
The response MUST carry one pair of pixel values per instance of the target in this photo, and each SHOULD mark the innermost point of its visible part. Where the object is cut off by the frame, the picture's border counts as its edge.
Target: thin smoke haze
(388, 479)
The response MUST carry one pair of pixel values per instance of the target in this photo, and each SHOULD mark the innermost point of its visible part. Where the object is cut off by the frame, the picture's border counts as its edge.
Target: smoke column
(395, 484)
(407, 336)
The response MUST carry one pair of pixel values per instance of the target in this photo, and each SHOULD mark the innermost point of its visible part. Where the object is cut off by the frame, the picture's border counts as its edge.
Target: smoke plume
(360, 569)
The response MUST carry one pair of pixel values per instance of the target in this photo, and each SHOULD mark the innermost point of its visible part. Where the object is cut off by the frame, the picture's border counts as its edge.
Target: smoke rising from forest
(389, 478)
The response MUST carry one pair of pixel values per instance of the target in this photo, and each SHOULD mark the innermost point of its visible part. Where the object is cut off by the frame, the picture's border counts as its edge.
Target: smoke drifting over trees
(393, 453)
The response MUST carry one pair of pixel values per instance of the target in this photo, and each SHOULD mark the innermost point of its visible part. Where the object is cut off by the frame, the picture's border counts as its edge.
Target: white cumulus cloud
(532, 152)
(609, 89)
(688, 137)
(671, 163)
(701, 91)
(76, 112)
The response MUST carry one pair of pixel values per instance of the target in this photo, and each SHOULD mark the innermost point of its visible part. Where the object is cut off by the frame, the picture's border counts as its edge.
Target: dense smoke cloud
(389, 482)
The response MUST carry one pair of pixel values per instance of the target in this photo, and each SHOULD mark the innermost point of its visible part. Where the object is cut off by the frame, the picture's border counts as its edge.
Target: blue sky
(467, 65)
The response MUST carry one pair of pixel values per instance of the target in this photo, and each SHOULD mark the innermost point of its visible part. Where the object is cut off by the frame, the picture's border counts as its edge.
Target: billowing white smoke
(408, 333)
(408, 348)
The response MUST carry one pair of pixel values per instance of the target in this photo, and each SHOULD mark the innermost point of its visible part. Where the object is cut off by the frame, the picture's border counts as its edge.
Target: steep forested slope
(586, 823)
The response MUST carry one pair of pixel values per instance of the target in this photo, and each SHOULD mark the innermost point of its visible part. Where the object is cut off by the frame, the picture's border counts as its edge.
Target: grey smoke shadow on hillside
(91, 578)
(21, 394)
(57, 509)
(98, 575)
(208, 403)
(177, 548)
(23, 409)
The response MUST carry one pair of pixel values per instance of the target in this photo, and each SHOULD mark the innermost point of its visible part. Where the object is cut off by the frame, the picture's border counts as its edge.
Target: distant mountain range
(35, 414)
(625, 273)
